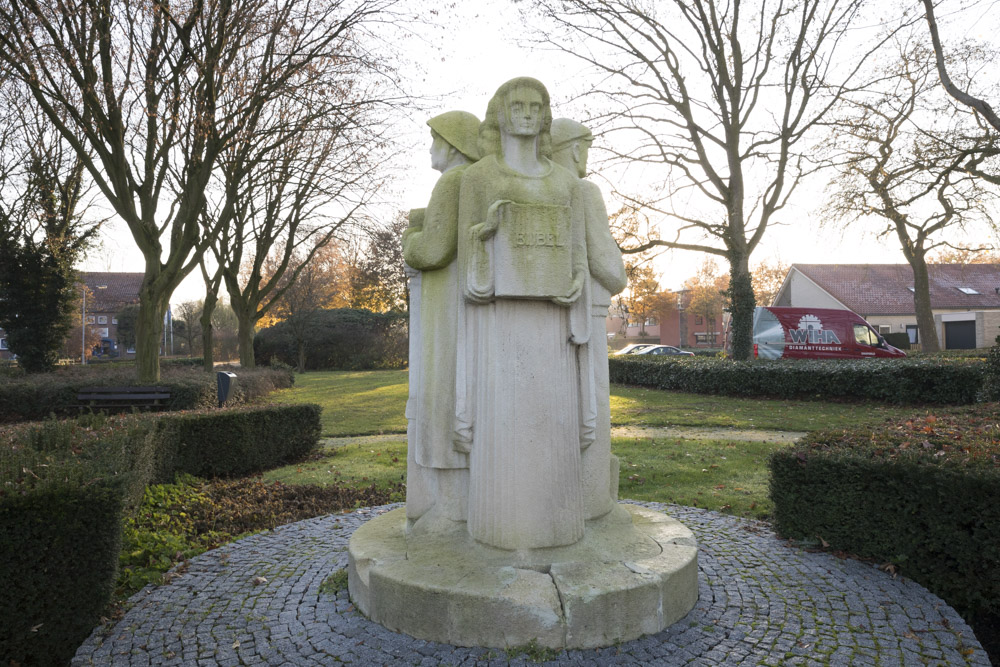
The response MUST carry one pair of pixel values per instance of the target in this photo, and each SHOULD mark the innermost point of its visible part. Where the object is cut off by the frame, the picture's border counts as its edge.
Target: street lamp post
(83, 329)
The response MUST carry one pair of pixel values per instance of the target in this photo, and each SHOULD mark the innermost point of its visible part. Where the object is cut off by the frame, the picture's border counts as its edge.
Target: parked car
(665, 350)
(633, 348)
(815, 333)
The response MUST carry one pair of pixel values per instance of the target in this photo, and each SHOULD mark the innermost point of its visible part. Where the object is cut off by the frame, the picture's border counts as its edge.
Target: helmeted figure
(437, 474)
(571, 143)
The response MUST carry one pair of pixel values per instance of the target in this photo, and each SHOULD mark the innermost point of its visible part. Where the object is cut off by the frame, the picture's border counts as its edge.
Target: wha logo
(811, 331)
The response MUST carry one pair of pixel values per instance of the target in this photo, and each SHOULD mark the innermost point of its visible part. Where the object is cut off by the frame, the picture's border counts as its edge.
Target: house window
(102, 319)
(103, 333)
(130, 349)
(3, 343)
(911, 331)
(90, 319)
(114, 320)
(967, 290)
(698, 319)
(884, 329)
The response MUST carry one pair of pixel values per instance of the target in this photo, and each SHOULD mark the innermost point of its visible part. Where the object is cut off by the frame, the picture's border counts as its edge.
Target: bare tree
(149, 92)
(213, 283)
(188, 314)
(292, 181)
(720, 94)
(984, 111)
(981, 106)
(899, 164)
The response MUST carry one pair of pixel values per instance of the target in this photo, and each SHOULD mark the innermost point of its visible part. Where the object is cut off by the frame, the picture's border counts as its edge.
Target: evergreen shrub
(903, 381)
(66, 486)
(239, 441)
(921, 495)
(338, 339)
(38, 396)
(991, 379)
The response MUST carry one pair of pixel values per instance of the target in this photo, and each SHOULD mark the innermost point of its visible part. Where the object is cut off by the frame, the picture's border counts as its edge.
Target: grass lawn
(381, 464)
(372, 402)
(354, 403)
(635, 406)
(727, 476)
(722, 475)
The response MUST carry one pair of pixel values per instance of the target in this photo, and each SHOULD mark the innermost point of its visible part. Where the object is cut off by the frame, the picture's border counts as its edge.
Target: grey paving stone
(761, 603)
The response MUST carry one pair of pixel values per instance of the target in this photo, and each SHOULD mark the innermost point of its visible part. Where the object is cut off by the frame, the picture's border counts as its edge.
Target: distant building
(108, 294)
(682, 328)
(965, 298)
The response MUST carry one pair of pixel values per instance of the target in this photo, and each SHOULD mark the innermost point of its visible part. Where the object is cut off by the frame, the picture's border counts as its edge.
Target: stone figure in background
(571, 143)
(437, 474)
(522, 269)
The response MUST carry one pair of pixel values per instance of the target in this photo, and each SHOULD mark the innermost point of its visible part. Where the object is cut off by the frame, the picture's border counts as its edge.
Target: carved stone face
(523, 117)
(582, 150)
(440, 153)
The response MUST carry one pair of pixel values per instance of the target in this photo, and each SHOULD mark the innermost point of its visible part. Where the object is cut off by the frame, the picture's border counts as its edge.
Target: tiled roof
(884, 289)
(111, 291)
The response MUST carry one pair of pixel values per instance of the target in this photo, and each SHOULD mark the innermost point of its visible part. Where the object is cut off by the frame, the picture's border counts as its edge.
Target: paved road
(258, 602)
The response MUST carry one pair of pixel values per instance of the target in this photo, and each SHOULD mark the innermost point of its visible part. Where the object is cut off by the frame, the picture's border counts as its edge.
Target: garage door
(960, 335)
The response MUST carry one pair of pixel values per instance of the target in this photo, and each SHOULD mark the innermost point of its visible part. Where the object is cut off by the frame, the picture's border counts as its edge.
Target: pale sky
(461, 62)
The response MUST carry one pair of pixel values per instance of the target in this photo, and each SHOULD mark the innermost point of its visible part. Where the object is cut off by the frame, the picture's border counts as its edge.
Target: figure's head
(455, 139)
(520, 107)
(571, 144)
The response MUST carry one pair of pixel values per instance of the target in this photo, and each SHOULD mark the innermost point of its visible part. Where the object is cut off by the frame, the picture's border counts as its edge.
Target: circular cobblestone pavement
(761, 602)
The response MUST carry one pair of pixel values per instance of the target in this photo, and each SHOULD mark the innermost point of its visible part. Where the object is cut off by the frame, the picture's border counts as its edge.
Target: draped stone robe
(518, 389)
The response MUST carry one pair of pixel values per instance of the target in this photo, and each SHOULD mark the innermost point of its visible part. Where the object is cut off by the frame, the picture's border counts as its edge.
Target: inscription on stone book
(538, 239)
(532, 251)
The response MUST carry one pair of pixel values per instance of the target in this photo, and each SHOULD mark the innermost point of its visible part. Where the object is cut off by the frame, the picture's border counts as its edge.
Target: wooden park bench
(123, 398)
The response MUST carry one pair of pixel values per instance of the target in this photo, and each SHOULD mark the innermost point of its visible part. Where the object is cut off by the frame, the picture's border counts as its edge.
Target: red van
(816, 333)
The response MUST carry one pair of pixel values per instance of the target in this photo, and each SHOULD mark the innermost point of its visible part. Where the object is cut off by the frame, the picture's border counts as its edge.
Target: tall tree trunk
(742, 303)
(301, 344)
(149, 332)
(247, 323)
(922, 303)
(207, 338)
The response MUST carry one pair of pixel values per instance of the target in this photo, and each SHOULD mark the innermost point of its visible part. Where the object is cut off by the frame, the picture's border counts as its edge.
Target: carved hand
(574, 292)
(486, 230)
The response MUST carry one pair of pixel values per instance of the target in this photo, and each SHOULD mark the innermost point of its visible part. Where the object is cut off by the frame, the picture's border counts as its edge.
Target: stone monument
(512, 532)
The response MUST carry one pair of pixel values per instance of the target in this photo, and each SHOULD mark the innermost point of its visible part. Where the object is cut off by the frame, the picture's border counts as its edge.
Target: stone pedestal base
(634, 573)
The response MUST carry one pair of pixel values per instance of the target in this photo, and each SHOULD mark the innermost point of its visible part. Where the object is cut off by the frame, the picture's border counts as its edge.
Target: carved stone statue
(571, 143)
(523, 266)
(512, 533)
(437, 474)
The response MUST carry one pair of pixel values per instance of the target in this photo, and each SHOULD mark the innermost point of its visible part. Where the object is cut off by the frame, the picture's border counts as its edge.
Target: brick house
(682, 328)
(107, 294)
(965, 298)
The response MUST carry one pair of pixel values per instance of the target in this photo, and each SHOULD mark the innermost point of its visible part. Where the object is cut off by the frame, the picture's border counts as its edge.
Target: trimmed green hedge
(65, 487)
(63, 490)
(338, 339)
(922, 495)
(235, 442)
(36, 397)
(891, 380)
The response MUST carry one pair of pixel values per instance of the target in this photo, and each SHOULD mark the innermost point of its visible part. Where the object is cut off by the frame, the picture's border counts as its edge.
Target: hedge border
(61, 528)
(902, 381)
